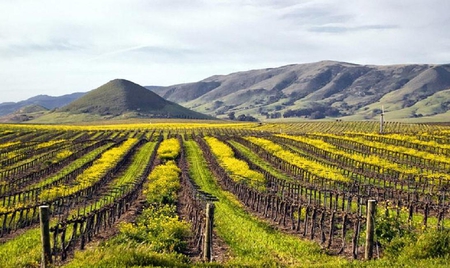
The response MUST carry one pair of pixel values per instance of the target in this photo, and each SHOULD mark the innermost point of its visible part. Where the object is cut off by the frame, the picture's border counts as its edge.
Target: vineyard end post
(207, 246)
(370, 229)
(44, 213)
(382, 120)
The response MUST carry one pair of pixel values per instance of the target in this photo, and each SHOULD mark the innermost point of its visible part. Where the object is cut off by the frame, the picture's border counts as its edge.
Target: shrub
(158, 227)
(164, 184)
(169, 149)
(430, 244)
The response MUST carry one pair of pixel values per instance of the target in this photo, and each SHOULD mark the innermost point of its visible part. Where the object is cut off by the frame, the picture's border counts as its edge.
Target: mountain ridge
(24, 114)
(324, 89)
(49, 102)
(298, 90)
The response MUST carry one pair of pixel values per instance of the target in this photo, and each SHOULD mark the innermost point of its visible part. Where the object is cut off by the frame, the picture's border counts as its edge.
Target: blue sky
(57, 47)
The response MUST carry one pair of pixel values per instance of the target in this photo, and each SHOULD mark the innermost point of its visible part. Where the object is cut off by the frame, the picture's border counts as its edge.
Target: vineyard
(251, 194)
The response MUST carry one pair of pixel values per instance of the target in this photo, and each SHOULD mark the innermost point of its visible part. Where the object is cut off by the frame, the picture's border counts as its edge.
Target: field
(286, 194)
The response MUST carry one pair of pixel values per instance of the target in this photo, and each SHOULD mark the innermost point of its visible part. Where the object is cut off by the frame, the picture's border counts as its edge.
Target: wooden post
(382, 120)
(45, 236)
(370, 230)
(207, 245)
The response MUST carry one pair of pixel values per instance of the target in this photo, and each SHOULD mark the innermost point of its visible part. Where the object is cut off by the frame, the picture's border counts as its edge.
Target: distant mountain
(24, 114)
(321, 89)
(119, 99)
(48, 102)
(327, 89)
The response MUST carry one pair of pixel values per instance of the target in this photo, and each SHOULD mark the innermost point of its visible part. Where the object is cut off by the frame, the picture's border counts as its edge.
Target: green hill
(119, 99)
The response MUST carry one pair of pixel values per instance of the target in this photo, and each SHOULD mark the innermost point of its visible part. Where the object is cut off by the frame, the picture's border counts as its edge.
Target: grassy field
(140, 192)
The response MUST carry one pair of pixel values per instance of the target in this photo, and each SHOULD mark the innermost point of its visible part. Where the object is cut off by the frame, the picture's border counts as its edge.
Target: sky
(57, 47)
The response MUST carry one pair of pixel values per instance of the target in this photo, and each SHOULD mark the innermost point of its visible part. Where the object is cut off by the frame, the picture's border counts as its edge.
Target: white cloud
(58, 47)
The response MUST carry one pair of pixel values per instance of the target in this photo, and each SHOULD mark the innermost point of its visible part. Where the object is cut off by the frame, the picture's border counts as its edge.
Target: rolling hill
(326, 89)
(322, 89)
(46, 101)
(24, 114)
(119, 99)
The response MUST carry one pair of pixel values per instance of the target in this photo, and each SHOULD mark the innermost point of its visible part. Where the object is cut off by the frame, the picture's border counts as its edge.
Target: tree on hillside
(248, 118)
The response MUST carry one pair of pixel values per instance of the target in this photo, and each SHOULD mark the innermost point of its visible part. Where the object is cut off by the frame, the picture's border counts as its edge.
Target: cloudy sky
(57, 47)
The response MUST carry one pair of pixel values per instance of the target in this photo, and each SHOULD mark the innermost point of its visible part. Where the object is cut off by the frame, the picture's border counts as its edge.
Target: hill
(321, 89)
(24, 114)
(119, 99)
(327, 89)
(46, 101)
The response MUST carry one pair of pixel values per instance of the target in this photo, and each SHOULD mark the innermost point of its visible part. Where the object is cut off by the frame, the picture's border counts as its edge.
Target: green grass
(124, 182)
(29, 242)
(253, 242)
(74, 165)
(260, 162)
(12, 252)
(155, 236)
(113, 254)
(65, 117)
